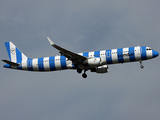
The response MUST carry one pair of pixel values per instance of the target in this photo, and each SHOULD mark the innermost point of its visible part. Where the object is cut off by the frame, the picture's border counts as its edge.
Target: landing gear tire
(79, 70)
(142, 66)
(84, 75)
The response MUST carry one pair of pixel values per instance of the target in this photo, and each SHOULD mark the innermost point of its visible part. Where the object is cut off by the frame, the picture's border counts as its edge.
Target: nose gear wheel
(141, 66)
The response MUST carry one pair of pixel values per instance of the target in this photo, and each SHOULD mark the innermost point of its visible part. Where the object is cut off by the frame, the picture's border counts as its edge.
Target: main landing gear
(84, 75)
(79, 70)
(141, 66)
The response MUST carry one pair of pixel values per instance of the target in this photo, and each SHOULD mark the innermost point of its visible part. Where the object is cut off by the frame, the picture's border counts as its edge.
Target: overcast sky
(125, 93)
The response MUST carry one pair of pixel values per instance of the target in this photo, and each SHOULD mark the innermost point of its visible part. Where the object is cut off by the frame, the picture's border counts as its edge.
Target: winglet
(50, 41)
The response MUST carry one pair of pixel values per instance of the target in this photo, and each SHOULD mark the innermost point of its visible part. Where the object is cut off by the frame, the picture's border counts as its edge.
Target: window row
(52, 60)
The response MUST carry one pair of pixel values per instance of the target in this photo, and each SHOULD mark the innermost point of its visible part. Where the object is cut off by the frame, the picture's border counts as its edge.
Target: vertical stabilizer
(15, 55)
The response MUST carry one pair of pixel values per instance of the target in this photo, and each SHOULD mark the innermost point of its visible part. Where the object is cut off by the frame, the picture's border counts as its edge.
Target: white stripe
(91, 54)
(35, 64)
(126, 57)
(114, 56)
(137, 53)
(149, 54)
(57, 63)
(24, 57)
(13, 52)
(103, 57)
(24, 65)
(80, 54)
(46, 64)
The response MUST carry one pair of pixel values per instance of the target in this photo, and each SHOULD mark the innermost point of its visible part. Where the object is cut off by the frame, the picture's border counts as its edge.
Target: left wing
(70, 55)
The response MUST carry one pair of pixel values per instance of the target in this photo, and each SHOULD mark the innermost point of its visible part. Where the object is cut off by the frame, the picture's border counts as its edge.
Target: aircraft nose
(155, 53)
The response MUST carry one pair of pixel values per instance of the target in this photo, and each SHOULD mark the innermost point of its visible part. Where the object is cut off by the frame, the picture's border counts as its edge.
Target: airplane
(96, 61)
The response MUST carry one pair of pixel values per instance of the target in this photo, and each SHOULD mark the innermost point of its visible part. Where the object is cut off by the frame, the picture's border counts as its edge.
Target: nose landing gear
(141, 66)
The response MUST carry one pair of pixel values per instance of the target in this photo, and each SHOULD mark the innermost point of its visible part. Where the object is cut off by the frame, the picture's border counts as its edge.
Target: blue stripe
(144, 54)
(63, 62)
(18, 55)
(97, 54)
(120, 55)
(29, 64)
(108, 56)
(132, 54)
(8, 49)
(85, 54)
(40, 64)
(52, 63)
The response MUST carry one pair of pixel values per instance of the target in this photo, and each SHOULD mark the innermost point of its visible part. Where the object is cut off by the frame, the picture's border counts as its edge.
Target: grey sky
(125, 93)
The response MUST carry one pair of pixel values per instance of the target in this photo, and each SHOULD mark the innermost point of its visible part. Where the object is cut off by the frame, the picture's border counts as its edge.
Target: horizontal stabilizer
(11, 63)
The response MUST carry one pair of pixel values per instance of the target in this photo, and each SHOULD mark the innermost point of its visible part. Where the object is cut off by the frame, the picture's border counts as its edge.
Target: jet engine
(100, 69)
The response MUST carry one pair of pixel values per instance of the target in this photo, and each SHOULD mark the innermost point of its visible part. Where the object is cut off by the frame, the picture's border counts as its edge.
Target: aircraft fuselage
(107, 57)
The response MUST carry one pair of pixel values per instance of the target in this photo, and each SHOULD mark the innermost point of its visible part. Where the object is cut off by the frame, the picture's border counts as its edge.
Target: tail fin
(15, 55)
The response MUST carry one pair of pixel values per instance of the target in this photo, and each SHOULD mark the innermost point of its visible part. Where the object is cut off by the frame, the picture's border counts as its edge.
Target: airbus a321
(96, 61)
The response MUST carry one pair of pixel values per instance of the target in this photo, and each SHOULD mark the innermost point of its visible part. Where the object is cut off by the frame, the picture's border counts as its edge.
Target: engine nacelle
(93, 61)
(100, 69)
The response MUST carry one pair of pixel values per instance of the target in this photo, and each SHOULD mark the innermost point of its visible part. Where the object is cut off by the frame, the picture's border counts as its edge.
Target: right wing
(76, 58)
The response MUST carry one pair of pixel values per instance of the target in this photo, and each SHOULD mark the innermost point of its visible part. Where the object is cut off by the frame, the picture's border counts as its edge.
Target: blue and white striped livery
(96, 61)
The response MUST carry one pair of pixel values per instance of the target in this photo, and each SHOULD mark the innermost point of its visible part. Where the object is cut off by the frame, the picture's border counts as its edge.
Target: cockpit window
(149, 49)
